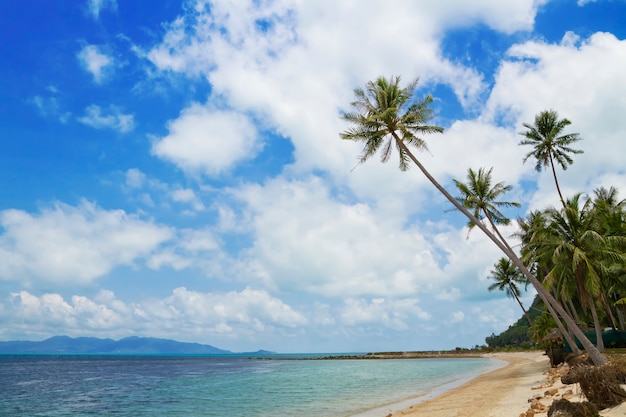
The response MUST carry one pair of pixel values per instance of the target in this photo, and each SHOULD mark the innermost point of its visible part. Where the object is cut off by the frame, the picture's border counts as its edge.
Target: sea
(224, 385)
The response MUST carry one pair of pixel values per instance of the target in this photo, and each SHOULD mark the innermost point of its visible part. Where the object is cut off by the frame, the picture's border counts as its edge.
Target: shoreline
(432, 393)
(525, 385)
(501, 392)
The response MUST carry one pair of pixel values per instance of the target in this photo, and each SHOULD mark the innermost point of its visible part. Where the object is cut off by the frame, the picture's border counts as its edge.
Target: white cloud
(296, 72)
(197, 248)
(304, 240)
(184, 315)
(94, 7)
(135, 178)
(49, 106)
(457, 316)
(581, 79)
(396, 314)
(112, 118)
(507, 17)
(208, 140)
(188, 196)
(77, 245)
(96, 62)
(498, 149)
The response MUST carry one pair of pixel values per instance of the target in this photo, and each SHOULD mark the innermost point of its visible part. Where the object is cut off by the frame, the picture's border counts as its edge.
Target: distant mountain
(128, 345)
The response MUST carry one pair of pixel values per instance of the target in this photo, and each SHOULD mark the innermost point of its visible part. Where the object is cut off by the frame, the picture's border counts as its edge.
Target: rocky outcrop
(564, 408)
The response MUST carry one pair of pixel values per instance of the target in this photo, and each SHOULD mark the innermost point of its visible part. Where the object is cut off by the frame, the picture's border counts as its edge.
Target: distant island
(128, 346)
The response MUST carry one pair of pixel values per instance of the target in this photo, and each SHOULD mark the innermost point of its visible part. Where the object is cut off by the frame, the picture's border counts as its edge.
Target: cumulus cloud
(187, 196)
(258, 68)
(185, 315)
(236, 319)
(582, 80)
(96, 62)
(199, 248)
(208, 141)
(305, 240)
(66, 244)
(112, 118)
(396, 314)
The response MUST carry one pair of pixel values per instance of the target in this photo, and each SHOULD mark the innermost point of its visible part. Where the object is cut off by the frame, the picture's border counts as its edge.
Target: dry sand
(505, 392)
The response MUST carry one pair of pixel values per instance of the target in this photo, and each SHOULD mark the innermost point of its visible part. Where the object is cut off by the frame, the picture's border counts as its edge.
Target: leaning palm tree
(479, 196)
(507, 277)
(389, 116)
(549, 145)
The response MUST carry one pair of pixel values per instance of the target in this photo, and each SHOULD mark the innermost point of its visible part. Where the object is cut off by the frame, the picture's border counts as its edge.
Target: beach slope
(501, 393)
(506, 392)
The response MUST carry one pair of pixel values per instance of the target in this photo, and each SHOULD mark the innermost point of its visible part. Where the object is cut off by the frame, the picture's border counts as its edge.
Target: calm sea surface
(206, 386)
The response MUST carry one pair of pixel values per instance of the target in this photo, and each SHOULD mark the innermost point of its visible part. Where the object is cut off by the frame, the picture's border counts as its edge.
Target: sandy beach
(505, 392)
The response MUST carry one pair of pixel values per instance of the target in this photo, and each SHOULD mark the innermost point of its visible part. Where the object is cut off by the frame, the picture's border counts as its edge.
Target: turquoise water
(208, 386)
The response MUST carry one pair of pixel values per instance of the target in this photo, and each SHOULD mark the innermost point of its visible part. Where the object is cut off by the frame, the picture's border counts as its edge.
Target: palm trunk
(596, 356)
(495, 229)
(532, 323)
(556, 181)
(596, 324)
(572, 308)
(567, 334)
(608, 312)
(568, 306)
(620, 318)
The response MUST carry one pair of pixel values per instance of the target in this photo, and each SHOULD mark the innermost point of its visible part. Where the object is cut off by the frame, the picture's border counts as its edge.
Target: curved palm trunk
(596, 356)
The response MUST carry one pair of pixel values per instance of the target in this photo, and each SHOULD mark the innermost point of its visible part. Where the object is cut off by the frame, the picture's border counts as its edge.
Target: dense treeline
(519, 333)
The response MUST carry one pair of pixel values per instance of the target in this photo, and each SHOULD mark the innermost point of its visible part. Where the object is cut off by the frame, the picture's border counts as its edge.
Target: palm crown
(480, 196)
(388, 115)
(549, 145)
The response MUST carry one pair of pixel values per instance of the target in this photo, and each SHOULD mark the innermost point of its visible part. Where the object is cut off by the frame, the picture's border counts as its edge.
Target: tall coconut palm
(480, 197)
(529, 228)
(541, 262)
(507, 277)
(389, 116)
(549, 145)
(610, 215)
(580, 254)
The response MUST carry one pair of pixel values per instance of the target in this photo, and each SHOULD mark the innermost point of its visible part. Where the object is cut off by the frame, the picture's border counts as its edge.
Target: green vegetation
(520, 333)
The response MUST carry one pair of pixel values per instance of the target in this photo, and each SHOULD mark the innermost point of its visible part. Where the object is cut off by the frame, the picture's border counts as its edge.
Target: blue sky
(175, 169)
